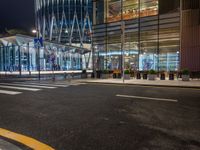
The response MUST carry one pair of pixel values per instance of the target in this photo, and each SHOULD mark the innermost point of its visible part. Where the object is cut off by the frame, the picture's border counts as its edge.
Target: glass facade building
(65, 21)
(65, 26)
(105, 34)
(145, 32)
(19, 54)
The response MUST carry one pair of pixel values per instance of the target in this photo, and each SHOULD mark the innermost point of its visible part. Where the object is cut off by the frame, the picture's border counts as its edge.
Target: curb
(147, 85)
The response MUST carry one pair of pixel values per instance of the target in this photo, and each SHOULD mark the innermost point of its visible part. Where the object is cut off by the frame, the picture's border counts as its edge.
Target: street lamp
(122, 42)
(38, 49)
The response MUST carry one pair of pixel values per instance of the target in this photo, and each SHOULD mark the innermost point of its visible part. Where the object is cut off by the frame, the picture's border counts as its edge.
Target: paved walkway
(158, 82)
(4, 145)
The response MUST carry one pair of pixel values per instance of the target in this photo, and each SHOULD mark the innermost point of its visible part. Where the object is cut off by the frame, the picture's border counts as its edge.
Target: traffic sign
(38, 42)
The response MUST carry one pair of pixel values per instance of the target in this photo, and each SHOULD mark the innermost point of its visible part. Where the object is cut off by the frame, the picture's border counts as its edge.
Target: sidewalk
(4, 145)
(158, 82)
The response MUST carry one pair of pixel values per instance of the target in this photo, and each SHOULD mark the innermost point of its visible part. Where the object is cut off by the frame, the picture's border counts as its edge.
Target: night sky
(17, 14)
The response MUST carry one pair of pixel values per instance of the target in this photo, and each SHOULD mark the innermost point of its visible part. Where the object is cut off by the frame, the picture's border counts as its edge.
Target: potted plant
(152, 74)
(185, 75)
(162, 75)
(105, 74)
(126, 74)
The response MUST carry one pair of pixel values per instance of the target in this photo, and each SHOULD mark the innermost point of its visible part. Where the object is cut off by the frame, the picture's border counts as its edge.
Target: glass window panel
(100, 11)
(130, 9)
(114, 10)
(148, 8)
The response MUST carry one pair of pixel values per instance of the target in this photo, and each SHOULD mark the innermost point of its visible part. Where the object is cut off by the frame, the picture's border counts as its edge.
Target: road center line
(30, 142)
(149, 98)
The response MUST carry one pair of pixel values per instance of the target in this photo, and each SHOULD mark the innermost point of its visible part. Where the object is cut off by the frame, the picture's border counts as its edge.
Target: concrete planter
(151, 76)
(127, 76)
(104, 76)
(84, 75)
(185, 78)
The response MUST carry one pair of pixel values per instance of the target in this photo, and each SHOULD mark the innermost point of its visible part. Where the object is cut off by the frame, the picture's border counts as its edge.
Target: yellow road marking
(30, 142)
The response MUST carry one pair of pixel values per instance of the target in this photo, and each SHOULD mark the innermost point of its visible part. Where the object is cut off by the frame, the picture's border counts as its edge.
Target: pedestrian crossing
(9, 92)
(16, 88)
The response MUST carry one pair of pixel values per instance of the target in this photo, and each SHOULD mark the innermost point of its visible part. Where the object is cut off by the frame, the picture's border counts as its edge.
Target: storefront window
(168, 6)
(100, 12)
(148, 8)
(113, 10)
(130, 9)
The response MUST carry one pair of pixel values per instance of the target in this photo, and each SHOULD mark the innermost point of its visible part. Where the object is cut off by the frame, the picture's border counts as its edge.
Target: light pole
(38, 50)
(122, 41)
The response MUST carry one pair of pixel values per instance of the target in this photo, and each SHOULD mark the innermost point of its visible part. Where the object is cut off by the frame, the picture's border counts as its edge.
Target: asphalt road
(92, 117)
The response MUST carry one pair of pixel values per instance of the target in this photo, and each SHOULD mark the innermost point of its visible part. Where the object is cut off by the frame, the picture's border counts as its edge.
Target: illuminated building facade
(150, 34)
(18, 54)
(65, 26)
(65, 21)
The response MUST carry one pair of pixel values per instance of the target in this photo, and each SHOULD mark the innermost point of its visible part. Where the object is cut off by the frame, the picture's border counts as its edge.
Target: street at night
(100, 75)
(77, 116)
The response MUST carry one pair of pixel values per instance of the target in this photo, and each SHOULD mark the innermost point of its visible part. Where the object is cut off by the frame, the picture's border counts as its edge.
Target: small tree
(126, 71)
(185, 71)
(105, 72)
(152, 71)
(185, 75)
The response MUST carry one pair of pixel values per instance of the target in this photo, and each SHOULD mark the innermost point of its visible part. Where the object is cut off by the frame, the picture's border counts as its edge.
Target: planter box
(104, 76)
(152, 76)
(84, 75)
(127, 77)
(185, 78)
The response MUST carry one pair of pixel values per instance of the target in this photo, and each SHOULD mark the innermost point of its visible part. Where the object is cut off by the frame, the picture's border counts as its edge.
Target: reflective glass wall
(50, 57)
(65, 21)
(151, 34)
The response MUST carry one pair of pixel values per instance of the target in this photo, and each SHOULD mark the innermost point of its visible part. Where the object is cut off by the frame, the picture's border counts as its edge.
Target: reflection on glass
(148, 8)
(147, 61)
(114, 10)
(130, 9)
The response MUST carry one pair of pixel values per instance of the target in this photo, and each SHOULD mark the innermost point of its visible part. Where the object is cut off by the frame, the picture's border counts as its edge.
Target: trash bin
(114, 75)
(98, 74)
(144, 76)
(138, 75)
(171, 76)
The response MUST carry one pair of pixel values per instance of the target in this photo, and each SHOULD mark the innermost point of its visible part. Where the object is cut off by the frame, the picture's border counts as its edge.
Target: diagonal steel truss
(64, 21)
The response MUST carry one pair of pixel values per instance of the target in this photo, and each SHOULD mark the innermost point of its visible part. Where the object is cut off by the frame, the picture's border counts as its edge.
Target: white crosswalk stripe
(19, 88)
(47, 84)
(27, 85)
(77, 84)
(9, 92)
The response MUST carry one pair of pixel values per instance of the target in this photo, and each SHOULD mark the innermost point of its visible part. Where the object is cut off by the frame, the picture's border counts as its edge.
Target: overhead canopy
(21, 40)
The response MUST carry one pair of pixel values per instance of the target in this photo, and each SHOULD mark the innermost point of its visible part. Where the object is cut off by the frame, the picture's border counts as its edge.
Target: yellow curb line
(30, 142)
